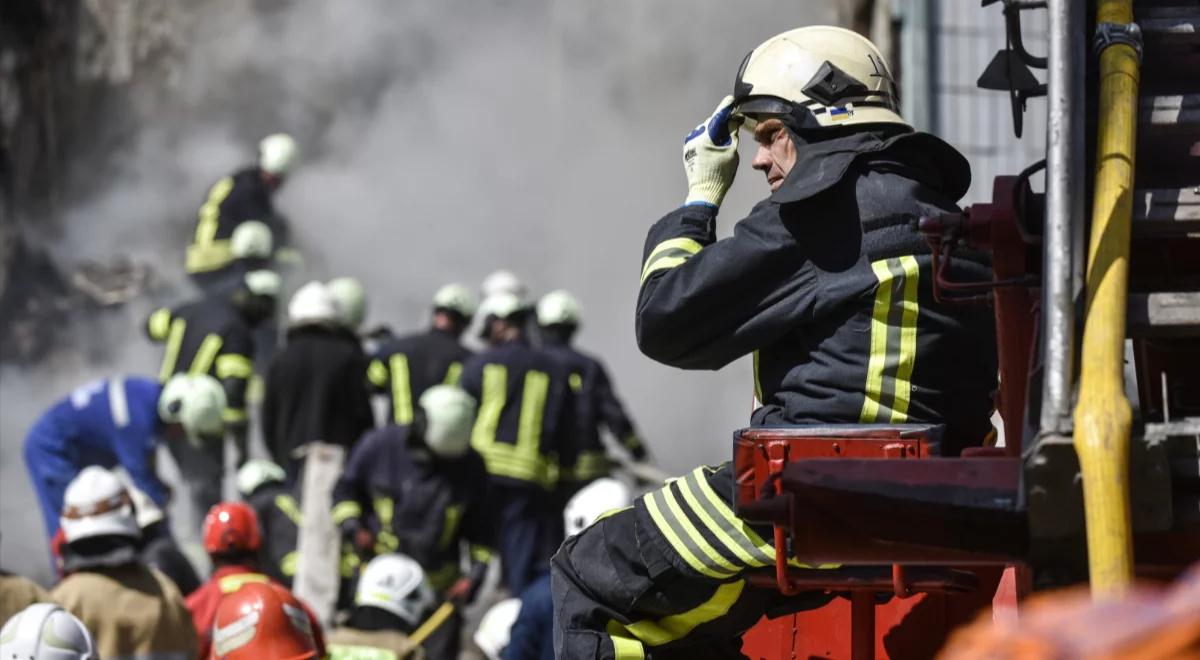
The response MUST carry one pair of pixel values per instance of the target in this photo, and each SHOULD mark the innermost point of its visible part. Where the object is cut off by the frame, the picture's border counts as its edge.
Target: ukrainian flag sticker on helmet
(841, 113)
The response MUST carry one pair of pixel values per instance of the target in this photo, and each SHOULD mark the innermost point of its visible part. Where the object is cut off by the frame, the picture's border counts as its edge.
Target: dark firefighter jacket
(231, 201)
(316, 391)
(415, 504)
(208, 336)
(280, 518)
(526, 415)
(405, 367)
(828, 284)
(596, 406)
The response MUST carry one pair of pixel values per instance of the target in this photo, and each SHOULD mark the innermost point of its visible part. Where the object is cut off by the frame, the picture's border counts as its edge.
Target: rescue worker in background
(262, 484)
(596, 404)
(262, 620)
(503, 281)
(241, 197)
(405, 367)
(45, 631)
(158, 548)
(215, 336)
(523, 431)
(316, 387)
(532, 635)
(118, 421)
(828, 284)
(422, 491)
(132, 610)
(232, 540)
(392, 599)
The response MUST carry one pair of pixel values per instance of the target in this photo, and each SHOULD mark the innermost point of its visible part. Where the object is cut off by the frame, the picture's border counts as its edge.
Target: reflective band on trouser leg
(625, 647)
(206, 355)
(669, 254)
(232, 365)
(675, 627)
(402, 404)
(171, 355)
(453, 373)
(893, 341)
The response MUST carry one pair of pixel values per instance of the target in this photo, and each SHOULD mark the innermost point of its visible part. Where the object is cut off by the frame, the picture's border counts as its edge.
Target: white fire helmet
(252, 239)
(349, 300)
(45, 631)
(196, 401)
(456, 298)
(499, 305)
(821, 76)
(449, 417)
(263, 282)
(395, 583)
(257, 472)
(503, 281)
(277, 154)
(559, 308)
(593, 501)
(96, 503)
(495, 628)
(311, 304)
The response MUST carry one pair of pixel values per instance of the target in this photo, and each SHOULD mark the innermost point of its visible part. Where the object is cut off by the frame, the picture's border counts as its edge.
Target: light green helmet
(559, 308)
(195, 401)
(449, 417)
(257, 472)
(349, 301)
(456, 298)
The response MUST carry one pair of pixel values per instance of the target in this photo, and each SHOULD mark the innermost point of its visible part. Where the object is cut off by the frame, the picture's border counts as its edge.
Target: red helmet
(262, 620)
(230, 528)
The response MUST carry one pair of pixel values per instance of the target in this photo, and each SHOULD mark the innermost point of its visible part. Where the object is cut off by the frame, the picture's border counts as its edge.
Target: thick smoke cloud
(442, 140)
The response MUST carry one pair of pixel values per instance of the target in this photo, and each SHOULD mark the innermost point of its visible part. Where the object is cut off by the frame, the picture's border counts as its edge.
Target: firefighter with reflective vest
(404, 367)
(232, 539)
(132, 610)
(215, 336)
(118, 422)
(393, 597)
(263, 485)
(596, 402)
(828, 285)
(245, 196)
(263, 620)
(524, 432)
(421, 490)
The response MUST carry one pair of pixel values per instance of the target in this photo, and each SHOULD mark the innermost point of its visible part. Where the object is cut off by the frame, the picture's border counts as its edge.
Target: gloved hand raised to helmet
(710, 156)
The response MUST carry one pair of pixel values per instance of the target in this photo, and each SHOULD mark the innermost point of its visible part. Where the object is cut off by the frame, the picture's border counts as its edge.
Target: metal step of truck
(1164, 314)
(1166, 212)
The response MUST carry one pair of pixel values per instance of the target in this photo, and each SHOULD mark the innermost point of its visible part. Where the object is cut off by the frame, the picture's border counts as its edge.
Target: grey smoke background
(442, 140)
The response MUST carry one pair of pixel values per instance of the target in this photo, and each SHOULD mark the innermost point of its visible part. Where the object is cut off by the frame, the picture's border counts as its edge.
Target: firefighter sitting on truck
(828, 284)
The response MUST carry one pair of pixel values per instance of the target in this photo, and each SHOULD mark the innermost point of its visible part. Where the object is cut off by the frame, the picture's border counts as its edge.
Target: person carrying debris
(596, 404)
(119, 422)
(421, 490)
(262, 484)
(829, 286)
(404, 367)
(393, 598)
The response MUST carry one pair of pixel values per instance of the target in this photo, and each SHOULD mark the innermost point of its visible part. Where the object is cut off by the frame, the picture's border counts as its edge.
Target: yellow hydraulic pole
(1103, 416)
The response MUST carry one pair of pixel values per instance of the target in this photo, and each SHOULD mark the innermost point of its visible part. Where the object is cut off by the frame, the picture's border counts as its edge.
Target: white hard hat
(821, 76)
(495, 628)
(349, 300)
(277, 154)
(145, 511)
(449, 417)
(593, 501)
(312, 303)
(97, 504)
(503, 281)
(252, 239)
(196, 401)
(559, 308)
(395, 583)
(263, 283)
(456, 298)
(45, 631)
(257, 472)
(500, 305)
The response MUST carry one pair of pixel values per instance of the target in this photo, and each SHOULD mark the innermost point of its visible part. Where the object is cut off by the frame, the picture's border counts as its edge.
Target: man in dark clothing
(828, 285)
(263, 486)
(316, 386)
(158, 548)
(404, 367)
(596, 403)
(523, 431)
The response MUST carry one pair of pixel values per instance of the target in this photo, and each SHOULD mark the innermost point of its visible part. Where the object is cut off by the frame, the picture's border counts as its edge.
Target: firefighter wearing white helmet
(131, 609)
(420, 489)
(45, 631)
(393, 597)
(242, 198)
(311, 304)
(503, 281)
(402, 368)
(821, 283)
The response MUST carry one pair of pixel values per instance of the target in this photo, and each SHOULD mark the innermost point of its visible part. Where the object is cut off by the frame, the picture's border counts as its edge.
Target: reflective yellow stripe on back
(171, 355)
(206, 355)
(893, 342)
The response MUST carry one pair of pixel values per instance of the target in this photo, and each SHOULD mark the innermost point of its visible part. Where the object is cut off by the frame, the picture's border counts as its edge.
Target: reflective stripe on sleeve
(206, 355)
(343, 511)
(159, 324)
(171, 355)
(377, 374)
(669, 254)
(402, 403)
(668, 522)
(232, 365)
(290, 508)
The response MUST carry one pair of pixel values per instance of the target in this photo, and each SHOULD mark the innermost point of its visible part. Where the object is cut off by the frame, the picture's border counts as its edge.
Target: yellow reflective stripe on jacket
(675, 627)
(231, 583)
(533, 409)
(290, 508)
(450, 525)
(758, 392)
(206, 252)
(402, 403)
(480, 553)
(289, 563)
(625, 647)
(234, 415)
(159, 324)
(523, 460)
(232, 365)
(684, 537)
(453, 373)
(343, 511)
(171, 355)
(377, 374)
(206, 355)
(494, 391)
(893, 341)
(669, 254)
(576, 382)
(590, 465)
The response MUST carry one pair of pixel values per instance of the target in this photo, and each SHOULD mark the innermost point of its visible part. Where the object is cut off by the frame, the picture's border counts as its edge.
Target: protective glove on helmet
(45, 631)
(710, 156)
(196, 402)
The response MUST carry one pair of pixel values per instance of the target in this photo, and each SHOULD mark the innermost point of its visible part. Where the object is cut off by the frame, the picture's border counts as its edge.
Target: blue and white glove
(710, 156)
